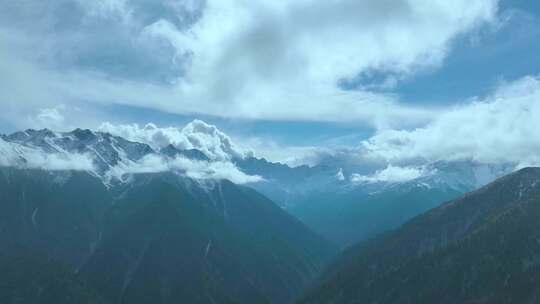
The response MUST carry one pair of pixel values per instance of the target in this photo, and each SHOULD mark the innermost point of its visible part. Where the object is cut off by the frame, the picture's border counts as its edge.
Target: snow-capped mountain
(330, 197)
(104, 149)
(113, 158)
(346, 210)
(201, 142)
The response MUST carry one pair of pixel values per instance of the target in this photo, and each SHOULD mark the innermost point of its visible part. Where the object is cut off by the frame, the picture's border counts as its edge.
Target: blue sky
(273, 75)
(475, 68)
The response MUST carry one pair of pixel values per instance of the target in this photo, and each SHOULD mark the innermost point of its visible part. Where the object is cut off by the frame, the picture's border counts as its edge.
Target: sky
(396, 79)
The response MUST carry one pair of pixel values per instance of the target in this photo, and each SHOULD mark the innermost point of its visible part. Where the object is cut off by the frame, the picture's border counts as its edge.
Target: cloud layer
(195, 135)
(229, 58)
(199, 170)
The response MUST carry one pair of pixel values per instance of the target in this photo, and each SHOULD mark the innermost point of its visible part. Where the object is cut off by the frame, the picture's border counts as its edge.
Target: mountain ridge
(470, 242)
(337, 204)
(162, 232)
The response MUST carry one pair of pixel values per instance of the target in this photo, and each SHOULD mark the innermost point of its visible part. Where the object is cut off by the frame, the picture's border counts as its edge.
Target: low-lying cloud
(191, 168)
(195, 135)
(499, 129)
(391, 174)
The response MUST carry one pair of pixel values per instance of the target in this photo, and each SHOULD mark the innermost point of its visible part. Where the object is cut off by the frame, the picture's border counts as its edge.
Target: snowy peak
(34, 138)
(465, 175)
(114, 158)
(103, 149)
(461, 176)
(135, 149)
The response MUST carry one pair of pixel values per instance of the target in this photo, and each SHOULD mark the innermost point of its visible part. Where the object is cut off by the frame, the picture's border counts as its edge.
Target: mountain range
(161, 236)
(111, 219)
(480, 248)
(328, 197)
(130, 232)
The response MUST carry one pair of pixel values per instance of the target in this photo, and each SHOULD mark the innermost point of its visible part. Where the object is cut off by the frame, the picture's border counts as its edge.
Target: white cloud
(294, 156)
(77, 162)
(231, 58)
(195, 135)
(390, 174)
(191, 168)
(51, 118)
(215, 170)
(339, 175)
(53, 115)
(499, 129)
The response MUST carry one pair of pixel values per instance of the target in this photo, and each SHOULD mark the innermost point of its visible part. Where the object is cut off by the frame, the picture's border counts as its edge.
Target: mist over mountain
(342, 198)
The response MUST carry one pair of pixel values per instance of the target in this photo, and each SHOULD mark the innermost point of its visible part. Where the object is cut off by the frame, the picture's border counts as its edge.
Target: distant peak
(83, 134)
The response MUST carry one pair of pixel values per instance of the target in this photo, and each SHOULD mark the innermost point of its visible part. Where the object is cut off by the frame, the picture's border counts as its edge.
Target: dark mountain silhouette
(161, 238)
